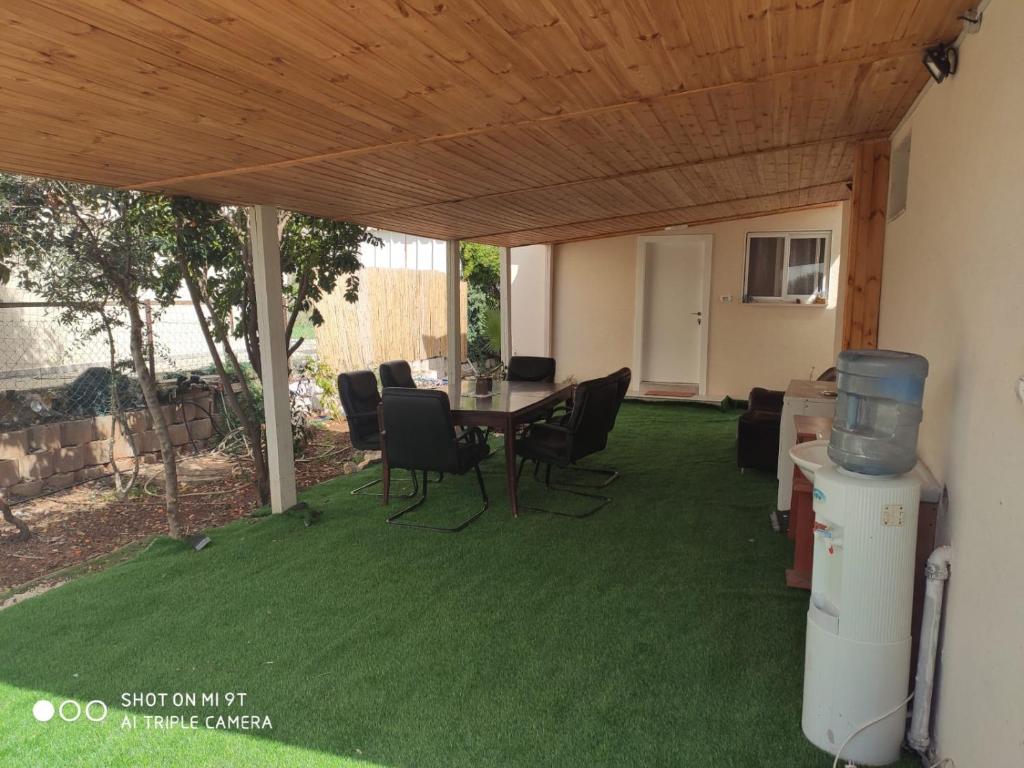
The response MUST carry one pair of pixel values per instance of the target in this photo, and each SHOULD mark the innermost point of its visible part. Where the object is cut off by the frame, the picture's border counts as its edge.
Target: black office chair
(757, 431)
(621, 378)
(359, 400)
(419, 435)
(523, 368)
(583, 433)
(396, 373)
(538, 369)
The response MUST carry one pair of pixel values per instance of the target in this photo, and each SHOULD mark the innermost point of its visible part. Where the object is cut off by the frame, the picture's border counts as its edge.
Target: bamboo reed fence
(400, 314)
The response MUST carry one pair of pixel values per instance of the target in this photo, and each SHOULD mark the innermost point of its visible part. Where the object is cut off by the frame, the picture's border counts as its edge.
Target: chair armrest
(471, 434)
(559, 414)
(547, 426)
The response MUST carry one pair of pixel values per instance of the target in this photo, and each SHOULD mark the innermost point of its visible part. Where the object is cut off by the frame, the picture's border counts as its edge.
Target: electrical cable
(880, 718)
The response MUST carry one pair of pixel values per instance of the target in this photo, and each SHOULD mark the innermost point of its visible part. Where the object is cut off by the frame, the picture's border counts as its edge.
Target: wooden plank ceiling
(506, 121)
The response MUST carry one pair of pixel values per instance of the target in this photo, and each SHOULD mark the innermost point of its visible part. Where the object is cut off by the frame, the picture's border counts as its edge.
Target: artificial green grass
(657, 632)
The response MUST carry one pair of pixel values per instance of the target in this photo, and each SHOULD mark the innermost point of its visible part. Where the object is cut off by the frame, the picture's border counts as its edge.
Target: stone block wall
(56, 455)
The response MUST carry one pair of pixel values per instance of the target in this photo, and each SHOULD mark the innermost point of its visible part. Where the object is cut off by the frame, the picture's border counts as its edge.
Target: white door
(673, 327)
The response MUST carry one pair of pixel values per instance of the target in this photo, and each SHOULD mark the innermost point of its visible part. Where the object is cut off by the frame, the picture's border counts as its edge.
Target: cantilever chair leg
(611, 476)
(601, 500)
(394, 519)
(361, 490)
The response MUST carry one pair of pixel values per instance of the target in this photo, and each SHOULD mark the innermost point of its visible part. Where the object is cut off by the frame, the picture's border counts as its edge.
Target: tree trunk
(260, 476)
(117, 417)
(258, 445)
(149, 391)
(24, 534)
(250, 324)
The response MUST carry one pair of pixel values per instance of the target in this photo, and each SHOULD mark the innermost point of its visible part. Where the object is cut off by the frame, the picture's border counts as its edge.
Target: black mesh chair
(419, 435)
(359, 400)
(523, 368)
(621, 379)
(396, 373)
(583, 432)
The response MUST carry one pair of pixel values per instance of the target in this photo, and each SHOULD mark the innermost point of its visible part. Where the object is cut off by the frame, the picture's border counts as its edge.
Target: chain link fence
(71, 408)
(50, 370)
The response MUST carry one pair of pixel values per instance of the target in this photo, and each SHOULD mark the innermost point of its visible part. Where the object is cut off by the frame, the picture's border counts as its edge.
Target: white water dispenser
(857, 657)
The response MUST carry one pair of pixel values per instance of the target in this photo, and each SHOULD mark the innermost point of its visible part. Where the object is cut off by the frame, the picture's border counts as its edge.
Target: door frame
(706, 242)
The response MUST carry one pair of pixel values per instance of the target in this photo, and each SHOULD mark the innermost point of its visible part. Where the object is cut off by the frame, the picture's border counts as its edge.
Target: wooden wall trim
(867, 245)
(706, 222)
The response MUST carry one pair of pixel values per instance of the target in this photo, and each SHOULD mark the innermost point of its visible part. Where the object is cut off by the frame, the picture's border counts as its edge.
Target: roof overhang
(510, 123)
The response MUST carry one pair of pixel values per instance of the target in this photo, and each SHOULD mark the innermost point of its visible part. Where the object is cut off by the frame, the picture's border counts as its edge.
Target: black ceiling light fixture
(940, 61)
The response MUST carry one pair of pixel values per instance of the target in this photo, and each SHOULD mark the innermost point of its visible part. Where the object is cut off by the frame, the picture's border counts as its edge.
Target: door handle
(699, 316)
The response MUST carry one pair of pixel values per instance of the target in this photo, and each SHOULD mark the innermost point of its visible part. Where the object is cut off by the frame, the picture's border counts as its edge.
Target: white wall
(531, 300)
(749, 344)
(952, 290)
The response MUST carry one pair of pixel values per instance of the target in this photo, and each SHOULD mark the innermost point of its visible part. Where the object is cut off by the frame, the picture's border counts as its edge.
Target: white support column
(266, 263)
(454, 275)
(505, 292)
(548, 301)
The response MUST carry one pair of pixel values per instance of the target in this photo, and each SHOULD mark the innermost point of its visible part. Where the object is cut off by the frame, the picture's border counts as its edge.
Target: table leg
(510, 466)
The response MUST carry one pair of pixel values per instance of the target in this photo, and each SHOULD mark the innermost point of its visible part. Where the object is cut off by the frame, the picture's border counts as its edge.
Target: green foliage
(303, 328)
(477, 306)
(492, 330)
(481, 268)
(83, 247)
(324, 377)
(317, 255)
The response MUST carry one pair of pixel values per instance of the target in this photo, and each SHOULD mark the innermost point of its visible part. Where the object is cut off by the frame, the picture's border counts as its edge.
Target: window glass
(764, 266)
(806, 266)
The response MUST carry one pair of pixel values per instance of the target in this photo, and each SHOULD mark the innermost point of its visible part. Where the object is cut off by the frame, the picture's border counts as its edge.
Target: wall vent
(899, 175)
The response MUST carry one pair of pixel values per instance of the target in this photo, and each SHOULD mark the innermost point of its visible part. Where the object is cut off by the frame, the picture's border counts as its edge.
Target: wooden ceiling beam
(539, 121)
(775, 148)
(673, 215)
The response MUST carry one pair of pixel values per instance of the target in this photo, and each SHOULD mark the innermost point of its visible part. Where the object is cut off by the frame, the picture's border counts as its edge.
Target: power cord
(880, 718)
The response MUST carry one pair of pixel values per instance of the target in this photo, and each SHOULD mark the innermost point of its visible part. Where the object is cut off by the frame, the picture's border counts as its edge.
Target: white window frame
(787, 298)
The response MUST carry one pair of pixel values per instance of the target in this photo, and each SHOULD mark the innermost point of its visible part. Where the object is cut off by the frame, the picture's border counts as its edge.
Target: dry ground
(84, 523)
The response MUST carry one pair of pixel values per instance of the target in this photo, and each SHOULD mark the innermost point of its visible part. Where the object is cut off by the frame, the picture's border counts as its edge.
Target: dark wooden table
(511, 404)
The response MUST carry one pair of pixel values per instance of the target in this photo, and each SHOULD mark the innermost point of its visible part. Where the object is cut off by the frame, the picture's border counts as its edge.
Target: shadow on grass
(657, 632)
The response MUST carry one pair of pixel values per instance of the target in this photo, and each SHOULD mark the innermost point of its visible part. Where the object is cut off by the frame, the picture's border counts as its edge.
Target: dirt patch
(38, 589)
(85, 522)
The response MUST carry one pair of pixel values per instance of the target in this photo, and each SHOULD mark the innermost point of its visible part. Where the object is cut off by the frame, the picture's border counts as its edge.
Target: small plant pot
(484, 385)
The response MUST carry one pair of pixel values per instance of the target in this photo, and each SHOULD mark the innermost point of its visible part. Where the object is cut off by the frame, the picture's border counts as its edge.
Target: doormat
(668, 393)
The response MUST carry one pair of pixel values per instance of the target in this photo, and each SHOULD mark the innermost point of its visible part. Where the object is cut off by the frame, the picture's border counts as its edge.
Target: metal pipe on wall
(937, 573)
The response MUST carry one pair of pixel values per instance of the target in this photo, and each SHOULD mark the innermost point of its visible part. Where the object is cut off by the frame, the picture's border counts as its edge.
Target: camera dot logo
(43, 711)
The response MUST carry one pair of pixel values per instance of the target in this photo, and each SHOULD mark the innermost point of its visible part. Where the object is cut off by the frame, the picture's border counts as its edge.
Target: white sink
(810, 457)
